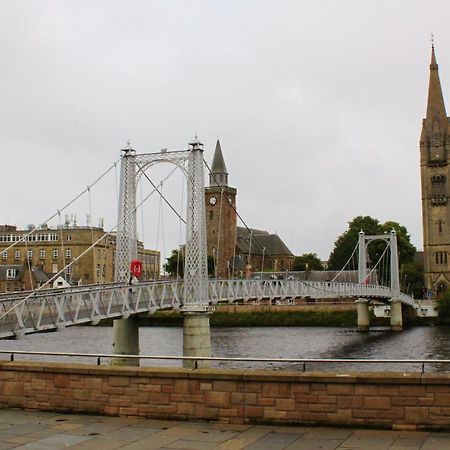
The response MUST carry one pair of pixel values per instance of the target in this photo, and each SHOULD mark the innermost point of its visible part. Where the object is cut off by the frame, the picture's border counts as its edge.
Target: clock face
(212, 200)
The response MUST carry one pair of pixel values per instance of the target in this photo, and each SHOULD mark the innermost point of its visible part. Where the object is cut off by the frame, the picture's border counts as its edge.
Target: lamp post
(262, 262)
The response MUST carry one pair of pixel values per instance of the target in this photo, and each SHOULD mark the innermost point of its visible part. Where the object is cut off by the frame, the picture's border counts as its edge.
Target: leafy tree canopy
(175, 264)
(346, 242)
(307, 261)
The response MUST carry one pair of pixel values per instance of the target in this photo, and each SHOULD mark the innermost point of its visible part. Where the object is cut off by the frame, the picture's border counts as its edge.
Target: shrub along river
(423, 342)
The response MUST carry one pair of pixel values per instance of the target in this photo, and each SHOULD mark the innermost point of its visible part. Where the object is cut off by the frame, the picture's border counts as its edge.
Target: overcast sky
(317, 104)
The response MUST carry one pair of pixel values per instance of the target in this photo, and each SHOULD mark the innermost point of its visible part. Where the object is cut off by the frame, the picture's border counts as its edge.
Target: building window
(17, 254)
(69, 237)
(54, 268)
(211, 215)
(441, 257)
(5, 254)
(98, 270)
(55, 253)
(438, 190)
(69, 270)
(440, 226)
(42, 254)
(30, 254)
(11, 273)
(69, 253)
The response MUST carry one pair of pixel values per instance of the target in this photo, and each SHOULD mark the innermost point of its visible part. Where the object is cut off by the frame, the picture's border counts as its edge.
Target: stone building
(234, 248)
(262, 250)
(220, 204)
(21, 277)
(51, 249)
(435, 174)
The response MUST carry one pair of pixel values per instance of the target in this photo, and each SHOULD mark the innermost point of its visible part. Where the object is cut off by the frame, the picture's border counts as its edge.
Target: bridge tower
(126, 330)
(363, 278)
(196, 332)
(435, 173)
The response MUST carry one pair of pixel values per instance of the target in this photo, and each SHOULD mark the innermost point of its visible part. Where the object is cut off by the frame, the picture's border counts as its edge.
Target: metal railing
(302, 361)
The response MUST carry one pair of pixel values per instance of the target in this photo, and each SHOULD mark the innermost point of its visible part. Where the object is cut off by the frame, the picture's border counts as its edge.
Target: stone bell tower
(435, 174)
(220, 216)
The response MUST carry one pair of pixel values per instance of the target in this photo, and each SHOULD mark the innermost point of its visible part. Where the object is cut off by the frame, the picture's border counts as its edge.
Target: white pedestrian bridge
(50, 309)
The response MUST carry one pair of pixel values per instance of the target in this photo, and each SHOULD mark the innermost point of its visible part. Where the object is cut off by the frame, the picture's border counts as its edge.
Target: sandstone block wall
(387, 400)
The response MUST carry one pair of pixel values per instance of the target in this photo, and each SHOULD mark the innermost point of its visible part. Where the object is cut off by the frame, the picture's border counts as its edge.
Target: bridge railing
(57, 308)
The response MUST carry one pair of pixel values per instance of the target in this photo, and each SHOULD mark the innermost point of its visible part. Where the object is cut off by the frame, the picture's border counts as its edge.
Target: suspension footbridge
(52, 309)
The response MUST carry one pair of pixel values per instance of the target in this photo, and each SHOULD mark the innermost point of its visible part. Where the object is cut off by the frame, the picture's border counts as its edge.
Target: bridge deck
(24, 313)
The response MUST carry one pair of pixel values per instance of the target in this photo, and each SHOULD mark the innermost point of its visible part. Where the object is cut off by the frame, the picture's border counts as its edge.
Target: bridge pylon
(126, 330)
(363, 278)
(195, 309)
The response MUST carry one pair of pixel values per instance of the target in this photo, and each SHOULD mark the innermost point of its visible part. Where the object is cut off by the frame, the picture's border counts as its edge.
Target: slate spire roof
(435, 104)
(218, 163)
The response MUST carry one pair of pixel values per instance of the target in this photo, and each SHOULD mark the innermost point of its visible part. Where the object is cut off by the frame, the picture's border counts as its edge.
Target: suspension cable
(124, 219)
(58, 211)
(378, 262)
(348, 261)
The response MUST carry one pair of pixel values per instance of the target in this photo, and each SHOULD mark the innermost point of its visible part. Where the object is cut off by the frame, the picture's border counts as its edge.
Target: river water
(273, 342)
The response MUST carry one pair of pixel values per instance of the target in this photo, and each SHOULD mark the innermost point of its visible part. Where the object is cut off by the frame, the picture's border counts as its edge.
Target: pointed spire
(219, 174)
(435, 105)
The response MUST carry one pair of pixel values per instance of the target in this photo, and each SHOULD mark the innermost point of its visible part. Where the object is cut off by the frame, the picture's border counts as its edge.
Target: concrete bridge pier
(126, 341)
(196, 339)
(396, 315)
(363, 314)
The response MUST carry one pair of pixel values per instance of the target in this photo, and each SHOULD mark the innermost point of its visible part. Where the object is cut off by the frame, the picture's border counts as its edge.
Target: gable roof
(261, 242)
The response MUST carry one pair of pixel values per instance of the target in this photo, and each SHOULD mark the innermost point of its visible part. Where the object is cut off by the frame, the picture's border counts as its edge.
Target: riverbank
(280, 317)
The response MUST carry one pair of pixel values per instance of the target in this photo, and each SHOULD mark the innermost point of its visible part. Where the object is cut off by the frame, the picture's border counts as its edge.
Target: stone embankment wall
(387, 400)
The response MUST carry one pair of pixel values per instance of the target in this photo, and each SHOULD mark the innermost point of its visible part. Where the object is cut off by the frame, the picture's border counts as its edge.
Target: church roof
(261, 242)
(218, 163)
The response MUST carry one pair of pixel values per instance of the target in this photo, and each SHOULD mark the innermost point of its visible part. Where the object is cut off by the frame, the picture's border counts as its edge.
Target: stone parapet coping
(231, 374)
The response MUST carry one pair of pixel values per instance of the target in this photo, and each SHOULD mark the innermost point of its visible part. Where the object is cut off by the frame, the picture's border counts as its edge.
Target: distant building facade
(435, 175)
(21, 277)
(51, 249)
(235, 249)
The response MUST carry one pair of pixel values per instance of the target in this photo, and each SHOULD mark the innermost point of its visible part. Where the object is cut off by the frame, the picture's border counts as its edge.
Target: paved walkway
(41, 430)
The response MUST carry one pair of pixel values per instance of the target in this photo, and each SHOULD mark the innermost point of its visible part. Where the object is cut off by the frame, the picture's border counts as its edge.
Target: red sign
(136, 268)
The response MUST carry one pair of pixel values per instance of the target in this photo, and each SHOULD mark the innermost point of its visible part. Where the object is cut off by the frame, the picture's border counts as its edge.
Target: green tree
(346, 243)
(443, 308)
(307, 261)
(175, 264)
(412, 279)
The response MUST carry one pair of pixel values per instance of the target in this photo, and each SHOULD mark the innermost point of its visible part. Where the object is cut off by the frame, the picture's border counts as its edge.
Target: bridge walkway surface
(47, 430)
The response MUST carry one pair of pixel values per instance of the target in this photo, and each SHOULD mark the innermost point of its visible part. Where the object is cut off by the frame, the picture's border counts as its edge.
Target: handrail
(235, 359)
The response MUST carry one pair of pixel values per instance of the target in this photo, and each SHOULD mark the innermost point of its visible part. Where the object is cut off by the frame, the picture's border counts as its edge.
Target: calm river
(276, 342)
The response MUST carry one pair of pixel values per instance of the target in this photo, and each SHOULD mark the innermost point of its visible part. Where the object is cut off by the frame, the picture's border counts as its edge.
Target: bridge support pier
(196, 339)
(363, 314)
(126, 341)
(396, 315)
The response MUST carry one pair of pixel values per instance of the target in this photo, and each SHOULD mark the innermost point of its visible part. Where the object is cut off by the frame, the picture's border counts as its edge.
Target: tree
(307, 261)
(175, 264)
(346, 243)
(443, 308)
(412, 279)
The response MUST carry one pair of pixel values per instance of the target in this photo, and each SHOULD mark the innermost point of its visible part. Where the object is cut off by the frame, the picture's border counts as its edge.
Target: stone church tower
(220, 216)
(435, 175)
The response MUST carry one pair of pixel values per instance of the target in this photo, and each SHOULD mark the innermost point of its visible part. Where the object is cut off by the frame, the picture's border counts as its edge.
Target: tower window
(440, 225)
(211, 215)
(438, 190)
(441, 257)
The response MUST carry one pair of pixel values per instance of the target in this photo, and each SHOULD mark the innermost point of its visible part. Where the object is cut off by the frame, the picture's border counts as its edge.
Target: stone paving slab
(51, 431)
